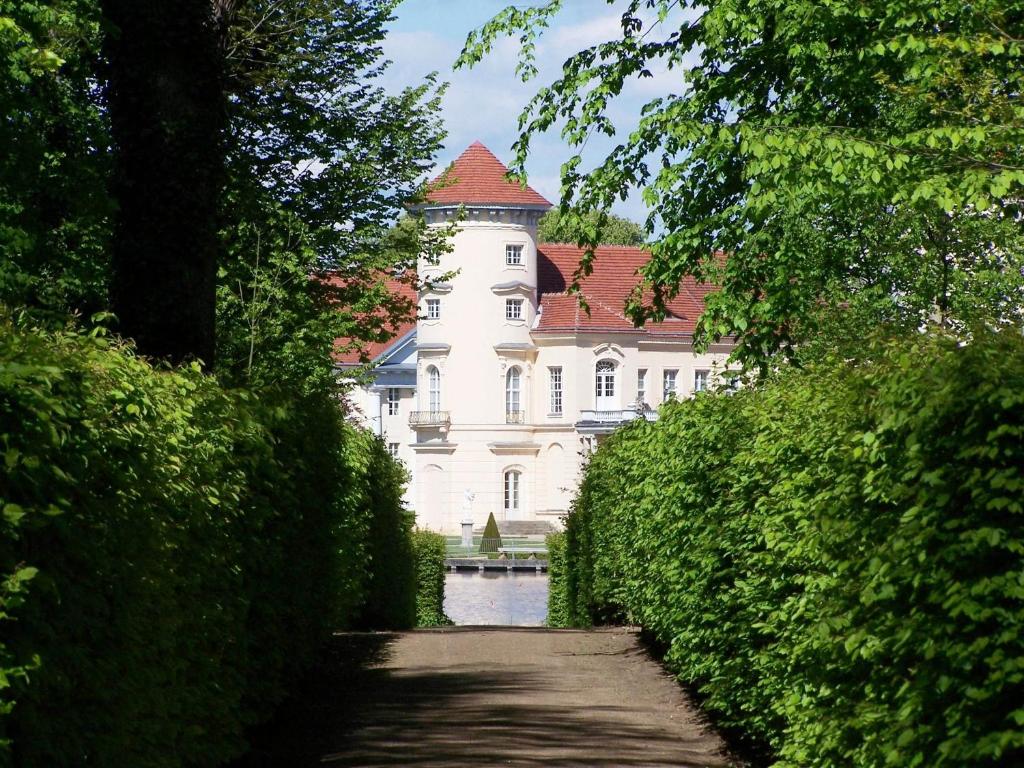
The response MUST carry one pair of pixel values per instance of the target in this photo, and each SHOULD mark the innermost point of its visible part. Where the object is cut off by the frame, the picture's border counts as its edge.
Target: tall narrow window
(668, 388)
(433, 389)
(513, 408)
(555, 375)
(604, 385)
(393, 398)
(433, 309)
(514, 255)
(512, 497)
(513, 309)
(700, 381)
(393, 450)
(641, 385)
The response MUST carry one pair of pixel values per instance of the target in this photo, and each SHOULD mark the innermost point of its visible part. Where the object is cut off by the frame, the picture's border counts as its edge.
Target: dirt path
(511, 697)
(528, 698)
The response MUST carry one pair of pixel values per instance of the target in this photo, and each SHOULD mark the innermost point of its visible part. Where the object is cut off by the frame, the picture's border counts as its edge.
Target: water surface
(517, 598)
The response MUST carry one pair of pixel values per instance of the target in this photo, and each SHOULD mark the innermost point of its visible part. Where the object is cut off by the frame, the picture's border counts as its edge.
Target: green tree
(607, 228)
(784, 115)
(54, 206)
(321, 162)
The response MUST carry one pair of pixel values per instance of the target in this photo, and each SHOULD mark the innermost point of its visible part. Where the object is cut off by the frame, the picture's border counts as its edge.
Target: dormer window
(433, 309)
(514, 255)
(513, 309)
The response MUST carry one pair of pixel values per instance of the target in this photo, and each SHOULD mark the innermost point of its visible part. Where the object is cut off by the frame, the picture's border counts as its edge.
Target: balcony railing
(617, 416)
(515, 417)
(429, 419)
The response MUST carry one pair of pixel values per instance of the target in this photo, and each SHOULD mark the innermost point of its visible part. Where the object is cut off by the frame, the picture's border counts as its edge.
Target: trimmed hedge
(490, 542)
(836, 558)
(429, 557)
(173, 554)
(558, 606)
(390, 594)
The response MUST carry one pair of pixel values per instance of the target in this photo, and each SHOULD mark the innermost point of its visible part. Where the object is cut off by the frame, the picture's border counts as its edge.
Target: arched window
(604, 385)
(513, 386)
(513, 497)
(433, 389)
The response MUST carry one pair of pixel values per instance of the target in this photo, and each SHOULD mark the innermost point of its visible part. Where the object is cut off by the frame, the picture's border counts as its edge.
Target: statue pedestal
(467, 518)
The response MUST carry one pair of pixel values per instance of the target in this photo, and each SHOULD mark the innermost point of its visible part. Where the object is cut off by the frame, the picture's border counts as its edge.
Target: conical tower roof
(477, 177)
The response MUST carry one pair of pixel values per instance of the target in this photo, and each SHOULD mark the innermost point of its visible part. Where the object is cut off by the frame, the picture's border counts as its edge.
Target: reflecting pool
(517, 598)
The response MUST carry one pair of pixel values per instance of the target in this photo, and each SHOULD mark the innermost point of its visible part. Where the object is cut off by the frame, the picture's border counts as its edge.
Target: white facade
(487, 402)
(482, 413)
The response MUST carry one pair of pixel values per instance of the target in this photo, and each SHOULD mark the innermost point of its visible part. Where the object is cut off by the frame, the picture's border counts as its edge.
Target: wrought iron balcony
(429, 419)
(515, 417)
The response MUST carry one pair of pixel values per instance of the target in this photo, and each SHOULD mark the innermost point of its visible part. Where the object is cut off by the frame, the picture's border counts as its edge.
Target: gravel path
(469, 696)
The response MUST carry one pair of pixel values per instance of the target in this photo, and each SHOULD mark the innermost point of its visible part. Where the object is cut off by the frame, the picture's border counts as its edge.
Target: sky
(484, 103)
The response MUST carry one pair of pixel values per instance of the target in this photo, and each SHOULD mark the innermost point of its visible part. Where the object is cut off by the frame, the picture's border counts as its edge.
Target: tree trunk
(167, 114)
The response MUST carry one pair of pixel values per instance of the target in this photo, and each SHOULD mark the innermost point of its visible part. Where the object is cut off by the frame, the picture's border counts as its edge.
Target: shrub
(834, 558)
(429, 557)
(172, 553)
(490, 542)
(558, 608)
(390, 595)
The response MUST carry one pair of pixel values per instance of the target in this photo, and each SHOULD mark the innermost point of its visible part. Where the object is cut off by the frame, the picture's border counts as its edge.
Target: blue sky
(484, 102)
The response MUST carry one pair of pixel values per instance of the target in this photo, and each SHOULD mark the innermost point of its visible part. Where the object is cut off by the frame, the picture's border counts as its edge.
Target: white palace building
(505, 382)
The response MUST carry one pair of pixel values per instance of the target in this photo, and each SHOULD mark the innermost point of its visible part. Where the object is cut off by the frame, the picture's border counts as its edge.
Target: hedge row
(558, 605)
(429, 558)
(172, 553)
(835, 558)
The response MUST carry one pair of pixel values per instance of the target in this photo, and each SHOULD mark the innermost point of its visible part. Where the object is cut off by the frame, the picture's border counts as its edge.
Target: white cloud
(573, 37)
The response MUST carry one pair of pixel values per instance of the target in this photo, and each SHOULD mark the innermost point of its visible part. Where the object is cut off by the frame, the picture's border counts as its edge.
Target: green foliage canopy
(54, 207)
(322, 162)
(608, 229)
(782, 119)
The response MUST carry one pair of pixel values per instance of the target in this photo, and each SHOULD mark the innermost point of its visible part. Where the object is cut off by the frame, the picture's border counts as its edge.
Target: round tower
(475, 356)
(480, 301)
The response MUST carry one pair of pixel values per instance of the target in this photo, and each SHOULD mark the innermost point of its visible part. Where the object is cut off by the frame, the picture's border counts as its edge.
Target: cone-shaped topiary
(492, 539)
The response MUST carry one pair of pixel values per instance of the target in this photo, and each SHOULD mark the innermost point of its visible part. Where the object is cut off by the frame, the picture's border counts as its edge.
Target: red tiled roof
(401, 288)
(477, 176)
(605, 291)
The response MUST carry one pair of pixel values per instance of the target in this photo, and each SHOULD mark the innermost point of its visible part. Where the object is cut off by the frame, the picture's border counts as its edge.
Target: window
(513, 380)
(393, 450)
(668, 389)
(513, 309)
(641, 385)
(433, 389)
(433, 309)
(700, 381)
(393, 397)
(512, 497)
(514, 255)
(555, 376)
(604, 379)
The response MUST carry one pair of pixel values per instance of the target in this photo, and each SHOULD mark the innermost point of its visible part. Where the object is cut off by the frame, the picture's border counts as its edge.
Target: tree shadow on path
(356, 713)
